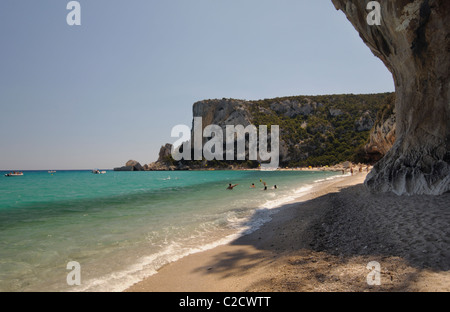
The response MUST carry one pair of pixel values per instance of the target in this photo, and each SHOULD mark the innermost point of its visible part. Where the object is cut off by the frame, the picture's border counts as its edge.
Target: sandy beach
(323, 242)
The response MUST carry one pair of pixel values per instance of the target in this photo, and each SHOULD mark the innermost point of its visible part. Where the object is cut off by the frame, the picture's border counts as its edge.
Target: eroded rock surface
(413, 41)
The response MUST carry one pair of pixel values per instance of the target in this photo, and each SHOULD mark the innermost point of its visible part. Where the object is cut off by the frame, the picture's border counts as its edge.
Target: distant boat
(96, 171)
(52, 171)
(14, 174)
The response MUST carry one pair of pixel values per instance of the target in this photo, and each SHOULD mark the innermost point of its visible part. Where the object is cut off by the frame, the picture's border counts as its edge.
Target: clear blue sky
(110, 90)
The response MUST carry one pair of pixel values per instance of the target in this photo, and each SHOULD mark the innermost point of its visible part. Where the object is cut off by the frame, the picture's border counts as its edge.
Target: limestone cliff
(164, 161)
(413, 41)
(223, 112)
(229, 112)
(314, 130)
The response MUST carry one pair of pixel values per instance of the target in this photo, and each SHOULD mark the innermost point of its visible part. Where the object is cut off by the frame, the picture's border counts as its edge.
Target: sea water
(123, 226)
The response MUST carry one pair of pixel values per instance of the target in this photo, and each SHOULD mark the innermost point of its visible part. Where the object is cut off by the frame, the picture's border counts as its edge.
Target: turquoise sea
(122, 226)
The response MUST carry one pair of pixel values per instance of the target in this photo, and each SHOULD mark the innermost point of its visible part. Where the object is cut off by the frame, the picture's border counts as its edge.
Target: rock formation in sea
(164, 161)
(131, 165)
(413, 41)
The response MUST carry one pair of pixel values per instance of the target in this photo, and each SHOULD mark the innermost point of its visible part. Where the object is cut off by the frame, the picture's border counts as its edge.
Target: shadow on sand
(325, 244)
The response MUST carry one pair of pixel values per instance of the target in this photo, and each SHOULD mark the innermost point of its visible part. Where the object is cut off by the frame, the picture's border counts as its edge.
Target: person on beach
(351, 170)
(275, 187)
(265, 187)
(253, 185)
(230, 187)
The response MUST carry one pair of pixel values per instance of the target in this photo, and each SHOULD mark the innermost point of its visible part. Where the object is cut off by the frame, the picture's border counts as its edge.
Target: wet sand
(323, 242)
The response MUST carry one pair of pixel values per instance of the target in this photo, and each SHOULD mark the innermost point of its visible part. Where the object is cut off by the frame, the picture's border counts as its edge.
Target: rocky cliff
(413, 41)
(164, 161)
(223, 112)
(298, 146)
(314, 130)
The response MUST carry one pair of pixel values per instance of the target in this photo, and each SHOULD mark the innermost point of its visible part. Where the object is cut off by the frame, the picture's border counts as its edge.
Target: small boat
(96, 171)
(14, 174)
(52, 171)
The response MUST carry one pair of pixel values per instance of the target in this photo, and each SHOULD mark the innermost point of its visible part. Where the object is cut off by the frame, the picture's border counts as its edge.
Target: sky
(111, 89)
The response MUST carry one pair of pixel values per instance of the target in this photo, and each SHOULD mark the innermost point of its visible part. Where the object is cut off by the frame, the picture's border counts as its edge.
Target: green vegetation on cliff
(314, 130)
(322, 130)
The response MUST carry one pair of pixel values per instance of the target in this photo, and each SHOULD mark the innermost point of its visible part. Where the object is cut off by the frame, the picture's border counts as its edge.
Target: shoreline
(167, 277)
(316, 244)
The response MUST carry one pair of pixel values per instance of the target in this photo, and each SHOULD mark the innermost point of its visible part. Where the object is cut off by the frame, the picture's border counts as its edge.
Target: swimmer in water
(230, 187)
(253, 185)
(275, 187)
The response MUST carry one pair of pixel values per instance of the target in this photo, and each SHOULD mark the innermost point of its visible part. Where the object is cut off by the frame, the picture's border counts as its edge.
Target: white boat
(96, 171)
(14, 174)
